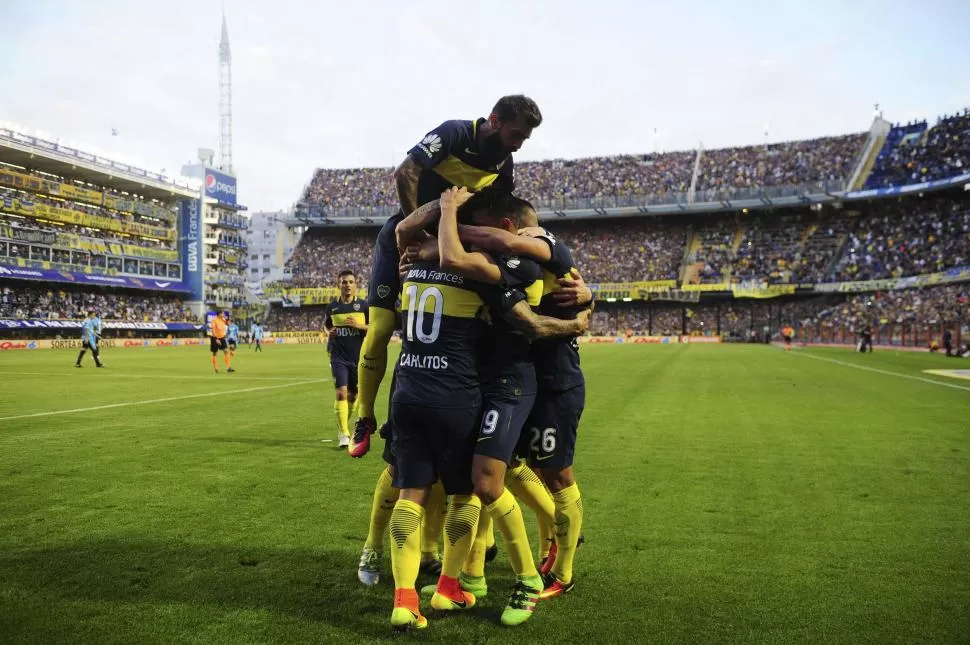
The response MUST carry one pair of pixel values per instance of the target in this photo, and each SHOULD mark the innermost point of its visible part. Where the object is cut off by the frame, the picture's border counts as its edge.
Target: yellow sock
(569, 524)
(434, 519)
(405, 543)
(461, 521)
(507, 516)
(531, 491)
(373, 359)
(343, 414)
(490, 535)
(385, 495)
(475, 562)
(215, 363)
(355, 407)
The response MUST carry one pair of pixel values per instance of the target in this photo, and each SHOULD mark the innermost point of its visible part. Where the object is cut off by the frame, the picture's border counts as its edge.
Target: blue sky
(337, 84)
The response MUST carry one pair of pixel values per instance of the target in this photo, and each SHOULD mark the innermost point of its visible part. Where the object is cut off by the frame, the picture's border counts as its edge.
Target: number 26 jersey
(443, 320)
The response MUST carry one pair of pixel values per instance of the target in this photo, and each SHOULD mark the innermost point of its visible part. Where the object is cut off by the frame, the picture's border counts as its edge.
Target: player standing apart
(90, 335)
(217, 340)
(345, 323)
(256, 336)
(232, 336)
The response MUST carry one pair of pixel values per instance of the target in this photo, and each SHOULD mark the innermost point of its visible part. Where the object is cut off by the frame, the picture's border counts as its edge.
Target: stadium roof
(91, 172)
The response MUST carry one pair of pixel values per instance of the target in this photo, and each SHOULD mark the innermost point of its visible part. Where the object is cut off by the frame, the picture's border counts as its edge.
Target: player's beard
(493, 149)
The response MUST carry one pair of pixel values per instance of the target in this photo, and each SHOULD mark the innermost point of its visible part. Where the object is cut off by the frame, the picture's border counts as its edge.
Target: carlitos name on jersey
(424, 362)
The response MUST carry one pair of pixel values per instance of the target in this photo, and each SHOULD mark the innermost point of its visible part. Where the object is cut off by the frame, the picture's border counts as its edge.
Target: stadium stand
(23, 300)
(913, 154)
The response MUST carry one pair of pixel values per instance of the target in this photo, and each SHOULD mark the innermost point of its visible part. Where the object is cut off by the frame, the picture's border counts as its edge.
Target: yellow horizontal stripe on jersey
(456, 302)
(550, 281)
(534, 292)
(460, 173)
(343, 320)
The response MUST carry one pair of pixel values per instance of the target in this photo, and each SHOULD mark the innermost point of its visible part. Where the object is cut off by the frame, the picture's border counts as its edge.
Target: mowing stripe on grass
(163, 400)
(886, 372)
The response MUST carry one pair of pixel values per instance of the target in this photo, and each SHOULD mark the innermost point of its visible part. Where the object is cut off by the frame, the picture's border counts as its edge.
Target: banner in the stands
(6, 323)
(8, 272)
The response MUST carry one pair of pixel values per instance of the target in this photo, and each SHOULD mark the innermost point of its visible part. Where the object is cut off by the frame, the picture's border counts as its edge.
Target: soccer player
(90, 335)
(432, 440)
(256, 336)
(346, 323)
(473, 154)
(232, 336)
(217, 340)
(554, 421)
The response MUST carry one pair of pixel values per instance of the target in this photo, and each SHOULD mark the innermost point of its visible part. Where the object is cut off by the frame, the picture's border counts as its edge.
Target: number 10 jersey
(443, 324)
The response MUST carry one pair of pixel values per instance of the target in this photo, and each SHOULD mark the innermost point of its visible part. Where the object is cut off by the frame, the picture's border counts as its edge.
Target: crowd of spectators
(291, 319)
(908, 237)
(882, 240)
(791, 163)
(626, 250)
(910, 157)
(323, 253)
(27, 301)
(553, 183)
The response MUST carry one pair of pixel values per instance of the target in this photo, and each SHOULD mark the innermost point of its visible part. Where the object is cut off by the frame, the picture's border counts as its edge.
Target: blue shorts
(432, 443)
(344, 375)
(552, 428)
(505, 410)
(385, 280)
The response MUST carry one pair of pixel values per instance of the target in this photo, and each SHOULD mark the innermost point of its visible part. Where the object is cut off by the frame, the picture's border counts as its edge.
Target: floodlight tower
(225, 99)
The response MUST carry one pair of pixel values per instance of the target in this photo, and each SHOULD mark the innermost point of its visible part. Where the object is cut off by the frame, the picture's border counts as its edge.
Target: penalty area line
(167, 399)
(885, 372)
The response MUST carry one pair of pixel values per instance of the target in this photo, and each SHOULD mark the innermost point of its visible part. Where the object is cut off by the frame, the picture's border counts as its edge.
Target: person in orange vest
(217, 340)
(787, 333)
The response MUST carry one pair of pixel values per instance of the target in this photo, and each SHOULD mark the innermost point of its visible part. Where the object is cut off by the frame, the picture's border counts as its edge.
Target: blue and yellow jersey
(556, 360)
(451, 155)
(345, 341)
(504, 350)
(443, 323)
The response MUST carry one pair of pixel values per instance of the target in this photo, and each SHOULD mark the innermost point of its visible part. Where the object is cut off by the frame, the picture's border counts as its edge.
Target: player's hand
(573, 291)
(582, 319)
(404, 266)
(453, 198)
(356, 324)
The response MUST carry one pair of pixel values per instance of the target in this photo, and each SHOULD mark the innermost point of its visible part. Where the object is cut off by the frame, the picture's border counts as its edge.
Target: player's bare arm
(535, 326)
(453, 256)
(504, 242)
(411, 228)
(406, 179)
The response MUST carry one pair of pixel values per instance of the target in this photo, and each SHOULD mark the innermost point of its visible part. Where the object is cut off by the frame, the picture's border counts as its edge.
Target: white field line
(167, 399)
(103, 374)
(885, 372)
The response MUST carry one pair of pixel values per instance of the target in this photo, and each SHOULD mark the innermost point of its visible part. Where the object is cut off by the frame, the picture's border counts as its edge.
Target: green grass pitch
(733, 494)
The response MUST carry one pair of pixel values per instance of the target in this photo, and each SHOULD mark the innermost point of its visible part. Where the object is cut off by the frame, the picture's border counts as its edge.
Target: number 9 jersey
(443, 323)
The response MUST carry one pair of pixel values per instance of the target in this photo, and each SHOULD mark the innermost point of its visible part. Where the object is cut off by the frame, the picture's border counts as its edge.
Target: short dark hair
(346, 272)
(509, 108)
(496, 202)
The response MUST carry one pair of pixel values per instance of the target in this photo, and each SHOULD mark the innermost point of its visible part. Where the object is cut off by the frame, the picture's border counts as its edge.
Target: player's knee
(557, 479)
(417, 496)
(488, 479)
(342, 393)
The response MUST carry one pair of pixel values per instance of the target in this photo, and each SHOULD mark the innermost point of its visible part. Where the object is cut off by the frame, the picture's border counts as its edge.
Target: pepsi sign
(220, 186)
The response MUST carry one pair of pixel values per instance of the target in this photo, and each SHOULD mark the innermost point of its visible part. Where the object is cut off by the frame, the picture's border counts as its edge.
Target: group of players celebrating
(487, 393)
